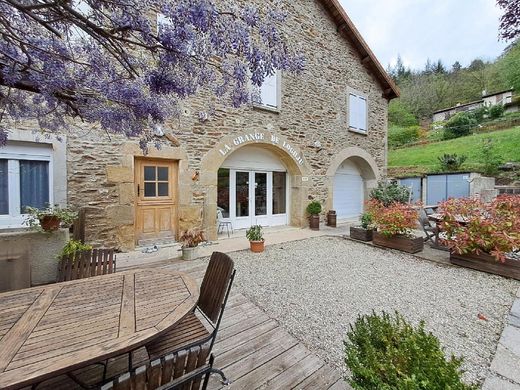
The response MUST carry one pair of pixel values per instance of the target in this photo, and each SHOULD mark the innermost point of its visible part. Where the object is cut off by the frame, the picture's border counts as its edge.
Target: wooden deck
(257, 353)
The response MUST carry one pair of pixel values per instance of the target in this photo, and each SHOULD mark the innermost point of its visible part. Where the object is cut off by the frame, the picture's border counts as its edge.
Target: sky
(450, 30)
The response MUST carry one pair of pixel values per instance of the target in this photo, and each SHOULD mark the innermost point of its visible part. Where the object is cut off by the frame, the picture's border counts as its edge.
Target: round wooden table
(50, 330)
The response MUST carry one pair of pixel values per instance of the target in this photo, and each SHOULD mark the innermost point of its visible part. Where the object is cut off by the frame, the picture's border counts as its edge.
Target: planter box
(190, 253)
(314, 222)
(358, 233)
(487, 263)
(402, 243)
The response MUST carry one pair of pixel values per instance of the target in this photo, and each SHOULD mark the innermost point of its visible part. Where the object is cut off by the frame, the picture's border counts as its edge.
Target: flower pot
(50, 223)
(257, 246)
(190, 253)
(314, 222)
(361, 234)
(402, 243)
(487, 263)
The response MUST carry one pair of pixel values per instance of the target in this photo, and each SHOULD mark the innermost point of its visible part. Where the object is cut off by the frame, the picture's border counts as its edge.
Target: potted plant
(394, 224)
(364, 232)
(483, 236)
(50, 218)
(256, 238)
(72, 247)
(314, 210)
(190, 240)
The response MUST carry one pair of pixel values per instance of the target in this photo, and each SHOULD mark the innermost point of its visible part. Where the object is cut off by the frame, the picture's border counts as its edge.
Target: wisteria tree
(510, 21)
(119, 64)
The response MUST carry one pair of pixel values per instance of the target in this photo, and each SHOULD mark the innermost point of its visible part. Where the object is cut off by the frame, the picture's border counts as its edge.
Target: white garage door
(348, 191)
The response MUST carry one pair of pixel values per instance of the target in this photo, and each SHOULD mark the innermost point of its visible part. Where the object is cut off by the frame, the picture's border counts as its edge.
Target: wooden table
(46, 331)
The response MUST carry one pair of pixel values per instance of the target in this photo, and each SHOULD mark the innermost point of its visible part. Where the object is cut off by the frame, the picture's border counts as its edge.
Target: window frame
(266, 107)
(360, 95)
(13, 153)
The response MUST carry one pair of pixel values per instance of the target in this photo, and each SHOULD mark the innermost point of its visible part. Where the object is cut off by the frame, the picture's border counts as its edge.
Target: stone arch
(289, 154)
(366, 164)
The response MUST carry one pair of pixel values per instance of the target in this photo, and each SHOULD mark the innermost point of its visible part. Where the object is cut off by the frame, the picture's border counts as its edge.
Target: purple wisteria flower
(126, 64)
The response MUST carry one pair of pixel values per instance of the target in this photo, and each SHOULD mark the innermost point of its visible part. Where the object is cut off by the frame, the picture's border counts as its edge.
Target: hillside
(423, 158)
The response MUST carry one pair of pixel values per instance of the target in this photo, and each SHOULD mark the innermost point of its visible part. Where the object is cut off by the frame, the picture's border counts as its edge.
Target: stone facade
(312, 120)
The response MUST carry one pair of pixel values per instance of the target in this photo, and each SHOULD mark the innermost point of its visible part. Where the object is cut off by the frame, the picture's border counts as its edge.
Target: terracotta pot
(358, 233)
(50, 223)
(257, 246)
(402, 243)
(314, 222)
(487, 263)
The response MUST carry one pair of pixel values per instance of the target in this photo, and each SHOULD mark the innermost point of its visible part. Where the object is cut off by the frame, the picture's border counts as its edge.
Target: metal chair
(191, 331)
(86, 264)
(221, 224)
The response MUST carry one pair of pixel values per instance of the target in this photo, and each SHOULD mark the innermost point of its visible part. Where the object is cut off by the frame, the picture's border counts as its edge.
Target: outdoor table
(50, 330)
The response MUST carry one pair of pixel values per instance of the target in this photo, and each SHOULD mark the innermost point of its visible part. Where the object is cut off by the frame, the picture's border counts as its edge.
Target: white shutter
(269, 91)
(357, 112)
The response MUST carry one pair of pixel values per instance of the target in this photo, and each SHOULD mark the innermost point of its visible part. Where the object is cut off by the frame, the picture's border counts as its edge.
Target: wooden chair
(86, 264)
(191, 331)
(431, 231)
(185, 369)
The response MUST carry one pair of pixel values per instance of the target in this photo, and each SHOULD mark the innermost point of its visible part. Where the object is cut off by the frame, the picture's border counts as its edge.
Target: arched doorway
(352, 175)
(253, 188)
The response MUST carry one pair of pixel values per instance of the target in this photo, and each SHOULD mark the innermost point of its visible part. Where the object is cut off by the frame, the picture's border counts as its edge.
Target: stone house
(318, 135)
(503, 98)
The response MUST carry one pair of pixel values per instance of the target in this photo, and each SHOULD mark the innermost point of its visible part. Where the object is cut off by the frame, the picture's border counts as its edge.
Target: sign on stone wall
(265, 138)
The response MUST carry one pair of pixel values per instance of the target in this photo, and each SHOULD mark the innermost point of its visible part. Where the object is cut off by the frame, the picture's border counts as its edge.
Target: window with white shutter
(357, 112)
(268, 95)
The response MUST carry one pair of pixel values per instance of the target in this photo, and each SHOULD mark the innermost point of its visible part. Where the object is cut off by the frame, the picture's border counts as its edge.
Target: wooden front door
(156, 206)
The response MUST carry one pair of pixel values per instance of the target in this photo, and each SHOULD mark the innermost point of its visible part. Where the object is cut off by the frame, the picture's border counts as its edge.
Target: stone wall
(313, 108)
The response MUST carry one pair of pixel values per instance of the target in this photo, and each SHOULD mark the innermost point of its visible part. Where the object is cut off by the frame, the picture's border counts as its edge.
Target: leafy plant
(489, 157)
(72, 247)
(389, 193)
(473, 226)
(459, 125)
(399, 136)
(399, 115)
(496, 111)
(394, 219)
(480, 113)
(387, 352)
(451, 162)
(192, 238)
(65, 215)
(366, 220)
(254, 233)
(314, 208)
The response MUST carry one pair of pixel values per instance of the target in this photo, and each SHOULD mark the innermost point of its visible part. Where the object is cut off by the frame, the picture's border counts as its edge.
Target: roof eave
(368, 58)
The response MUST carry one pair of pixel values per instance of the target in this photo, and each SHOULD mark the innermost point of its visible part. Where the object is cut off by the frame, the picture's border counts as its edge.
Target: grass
(424, 157)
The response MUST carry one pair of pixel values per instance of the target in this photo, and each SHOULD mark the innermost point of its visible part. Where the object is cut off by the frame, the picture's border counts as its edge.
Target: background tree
(113, 62)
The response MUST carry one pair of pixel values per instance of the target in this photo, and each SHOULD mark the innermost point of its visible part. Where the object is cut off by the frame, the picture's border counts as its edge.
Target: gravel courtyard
(317, 287)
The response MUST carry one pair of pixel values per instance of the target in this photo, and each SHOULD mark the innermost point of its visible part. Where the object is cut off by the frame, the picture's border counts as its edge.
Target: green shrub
(489, 158)
(366, 220)
(399, 136)
(386, 352)
(388, 193)
(451, 162)
(72, 247)
(496, 111)
(480, 113)
(459, 125)
(314, 208)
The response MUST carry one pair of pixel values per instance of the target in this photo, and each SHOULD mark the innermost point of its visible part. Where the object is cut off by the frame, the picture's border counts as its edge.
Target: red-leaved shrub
(473, 226)
(395, 219)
